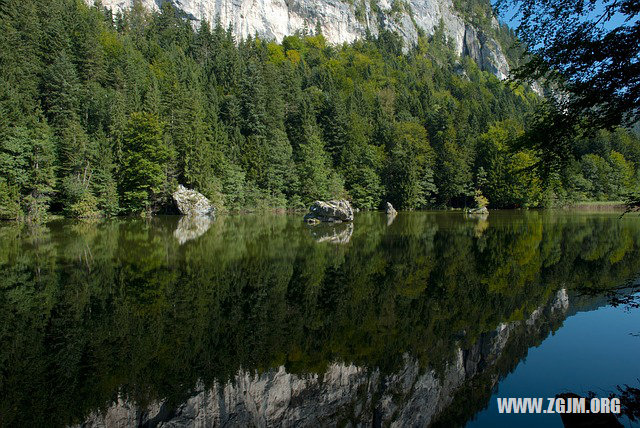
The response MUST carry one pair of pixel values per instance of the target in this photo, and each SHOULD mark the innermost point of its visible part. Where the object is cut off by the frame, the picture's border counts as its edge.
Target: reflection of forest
(93, 312)
(411, 396)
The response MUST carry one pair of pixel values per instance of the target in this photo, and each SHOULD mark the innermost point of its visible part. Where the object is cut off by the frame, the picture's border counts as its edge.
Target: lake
(422, 319)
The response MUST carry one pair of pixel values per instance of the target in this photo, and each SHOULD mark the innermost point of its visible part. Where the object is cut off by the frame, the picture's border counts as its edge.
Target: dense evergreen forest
(105, 115)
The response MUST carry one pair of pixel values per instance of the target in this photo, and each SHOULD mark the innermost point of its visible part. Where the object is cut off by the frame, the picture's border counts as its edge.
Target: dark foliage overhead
(590, 51)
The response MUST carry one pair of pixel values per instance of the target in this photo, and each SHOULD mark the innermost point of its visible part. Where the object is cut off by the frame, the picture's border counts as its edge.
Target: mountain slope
(344, 21)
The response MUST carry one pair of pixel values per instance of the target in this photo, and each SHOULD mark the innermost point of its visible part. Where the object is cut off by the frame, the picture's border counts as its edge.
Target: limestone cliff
(342, 21)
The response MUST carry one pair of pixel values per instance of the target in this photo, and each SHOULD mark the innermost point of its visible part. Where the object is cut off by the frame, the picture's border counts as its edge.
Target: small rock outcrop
(481, 210)
(192, 203)
(329, 211)
(390, 210)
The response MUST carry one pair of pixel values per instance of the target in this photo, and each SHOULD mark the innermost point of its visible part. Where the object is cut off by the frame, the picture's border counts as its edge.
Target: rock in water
(481, 210)
(192, 203)
(329, 211)
(390, 210)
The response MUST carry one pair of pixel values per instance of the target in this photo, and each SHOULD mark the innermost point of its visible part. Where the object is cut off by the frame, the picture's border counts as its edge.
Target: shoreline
(596, 206)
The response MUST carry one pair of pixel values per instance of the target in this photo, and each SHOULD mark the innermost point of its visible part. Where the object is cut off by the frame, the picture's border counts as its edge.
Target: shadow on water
(253, 320)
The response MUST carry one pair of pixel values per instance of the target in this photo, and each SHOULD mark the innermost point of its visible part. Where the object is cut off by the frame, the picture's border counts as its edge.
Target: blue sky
(510, 16)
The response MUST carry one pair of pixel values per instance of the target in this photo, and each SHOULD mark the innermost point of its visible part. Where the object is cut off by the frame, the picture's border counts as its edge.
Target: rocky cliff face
(342, 21)
(344, 393)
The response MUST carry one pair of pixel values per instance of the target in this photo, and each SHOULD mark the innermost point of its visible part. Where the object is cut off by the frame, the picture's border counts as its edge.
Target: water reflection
(391, 216)
(334, 233)
(191, 227)
(256, 322)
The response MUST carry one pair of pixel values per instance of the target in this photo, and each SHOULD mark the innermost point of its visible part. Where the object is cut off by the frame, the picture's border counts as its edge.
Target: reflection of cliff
(346, 393)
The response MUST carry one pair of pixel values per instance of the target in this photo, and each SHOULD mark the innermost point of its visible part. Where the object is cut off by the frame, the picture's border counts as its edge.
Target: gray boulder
(481, 210)
(192, 203)
(390, 210)
(329, 211)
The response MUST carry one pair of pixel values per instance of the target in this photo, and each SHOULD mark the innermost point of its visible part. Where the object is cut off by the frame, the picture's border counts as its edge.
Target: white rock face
(390, 210)
(274, 19)
(191, 203)
(330, 211)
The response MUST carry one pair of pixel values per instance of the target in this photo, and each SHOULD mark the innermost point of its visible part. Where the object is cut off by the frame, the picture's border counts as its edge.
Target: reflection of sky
(592, 351)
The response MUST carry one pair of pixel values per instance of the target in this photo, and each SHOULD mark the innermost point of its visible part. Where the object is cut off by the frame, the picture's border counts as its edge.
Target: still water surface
(423, 319)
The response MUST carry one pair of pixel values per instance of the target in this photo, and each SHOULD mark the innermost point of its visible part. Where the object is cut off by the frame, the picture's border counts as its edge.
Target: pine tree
(253, 102)
(144, 159)
(41, 182)
(27, 159)
(454, 174)
(14, 164)
(316, 178)
(76, 156)
(20, 59)
(103, 183)
(362, 179)
(407, 172)
(9, 201)
(61, 92)
(280, 166)
(334, 122)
